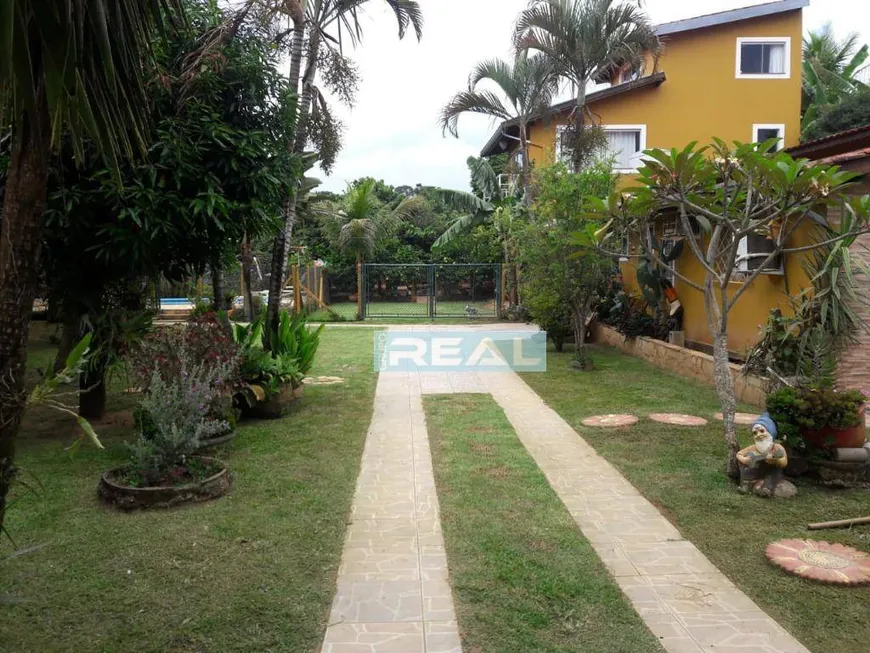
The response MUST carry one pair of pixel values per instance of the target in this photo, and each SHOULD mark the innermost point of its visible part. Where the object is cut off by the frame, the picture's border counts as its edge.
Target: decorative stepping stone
(744, 419)
(322, 380)
(821, 561)
(677, 419)
(610, 420)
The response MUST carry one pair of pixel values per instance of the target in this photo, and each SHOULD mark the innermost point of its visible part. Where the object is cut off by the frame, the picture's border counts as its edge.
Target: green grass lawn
(681, 470)
(252, 571)
(524, 578)
(399, 312)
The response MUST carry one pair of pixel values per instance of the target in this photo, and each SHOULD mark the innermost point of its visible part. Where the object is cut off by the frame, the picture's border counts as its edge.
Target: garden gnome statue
(763, 463)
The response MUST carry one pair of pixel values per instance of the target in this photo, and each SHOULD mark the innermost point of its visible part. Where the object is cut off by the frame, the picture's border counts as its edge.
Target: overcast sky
(392, 133)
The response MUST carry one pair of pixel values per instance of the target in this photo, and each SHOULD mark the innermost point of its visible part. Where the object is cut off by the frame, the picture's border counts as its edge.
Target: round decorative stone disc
(322, 380)
(821, 561)
(744, 419)
(610, 420)
(678, 419)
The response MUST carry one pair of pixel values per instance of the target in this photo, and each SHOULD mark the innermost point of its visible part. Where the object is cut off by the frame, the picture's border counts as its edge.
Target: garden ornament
(762, 464)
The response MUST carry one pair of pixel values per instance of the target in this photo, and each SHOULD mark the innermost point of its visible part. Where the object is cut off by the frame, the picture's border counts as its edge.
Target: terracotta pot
(277, 406)
(127, 497)
(853, 437)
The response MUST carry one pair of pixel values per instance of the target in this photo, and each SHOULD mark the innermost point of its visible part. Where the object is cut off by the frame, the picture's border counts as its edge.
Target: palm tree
(361, 222)
(585, 40)
(527, 88)
(72, 69)
(327, 23)
(831, 69)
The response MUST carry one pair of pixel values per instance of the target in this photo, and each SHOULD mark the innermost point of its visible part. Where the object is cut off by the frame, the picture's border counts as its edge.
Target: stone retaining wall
(685, 362)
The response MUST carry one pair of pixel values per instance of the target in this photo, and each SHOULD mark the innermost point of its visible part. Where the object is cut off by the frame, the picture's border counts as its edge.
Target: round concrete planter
(217, 441)
(113, 490)
(277, 406)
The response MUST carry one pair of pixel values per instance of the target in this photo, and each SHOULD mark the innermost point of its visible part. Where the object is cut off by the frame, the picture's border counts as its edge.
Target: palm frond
(485, 103)
(460, 226)
(88, 57)
(463, 201)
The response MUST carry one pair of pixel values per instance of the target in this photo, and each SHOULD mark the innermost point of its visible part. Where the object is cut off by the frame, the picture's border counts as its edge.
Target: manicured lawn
(398, 312)
(524, 578)
(681, 471)
(252, 571)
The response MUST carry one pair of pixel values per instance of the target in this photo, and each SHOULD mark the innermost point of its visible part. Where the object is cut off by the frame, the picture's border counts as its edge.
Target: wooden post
(359, 291)
(297, 290)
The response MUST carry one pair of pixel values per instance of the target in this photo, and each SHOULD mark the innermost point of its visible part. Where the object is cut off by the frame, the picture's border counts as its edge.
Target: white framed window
(764, 58)
(625, 144)
(752, 252)
(765, 131)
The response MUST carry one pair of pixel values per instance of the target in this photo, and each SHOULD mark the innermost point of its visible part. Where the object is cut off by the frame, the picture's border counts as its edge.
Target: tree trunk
(247, 293)
(579, 125)
(20, 245)
(70, 336)
(524, 173)
(579, 313)
(280, 246)
(725, 390)
(218, 289)
(92, 391)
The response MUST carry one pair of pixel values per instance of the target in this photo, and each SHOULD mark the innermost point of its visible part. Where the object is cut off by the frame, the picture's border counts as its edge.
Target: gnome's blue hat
(767, 422)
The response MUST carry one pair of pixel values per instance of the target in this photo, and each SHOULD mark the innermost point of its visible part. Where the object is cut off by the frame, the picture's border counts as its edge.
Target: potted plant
(272, 376)
(820, 417)
(164, 469)
(206, 339)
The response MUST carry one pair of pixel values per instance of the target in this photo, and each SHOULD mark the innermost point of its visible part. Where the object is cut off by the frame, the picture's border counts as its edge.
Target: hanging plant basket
(116, 490)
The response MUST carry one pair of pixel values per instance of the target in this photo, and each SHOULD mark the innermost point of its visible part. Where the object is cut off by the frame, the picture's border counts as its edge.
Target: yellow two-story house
(734, 75)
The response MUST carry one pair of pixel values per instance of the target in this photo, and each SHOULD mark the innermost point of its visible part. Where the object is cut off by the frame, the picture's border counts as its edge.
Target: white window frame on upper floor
(620, 128)
(759, 126)
(786, 40)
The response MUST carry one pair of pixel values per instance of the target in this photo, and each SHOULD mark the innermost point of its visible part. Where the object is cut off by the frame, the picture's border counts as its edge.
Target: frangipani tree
(732, 193)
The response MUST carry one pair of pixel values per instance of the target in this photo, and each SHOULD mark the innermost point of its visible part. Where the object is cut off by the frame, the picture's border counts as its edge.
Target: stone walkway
(393, 595)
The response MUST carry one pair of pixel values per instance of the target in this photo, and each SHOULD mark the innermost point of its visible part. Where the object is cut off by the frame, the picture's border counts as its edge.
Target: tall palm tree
(831, 70)
(585, 40)
(71, 68)
(361, 222)
(526, 86)
(326, 23)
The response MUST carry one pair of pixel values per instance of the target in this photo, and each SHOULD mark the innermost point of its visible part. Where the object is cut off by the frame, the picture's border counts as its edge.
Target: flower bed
(201, 479)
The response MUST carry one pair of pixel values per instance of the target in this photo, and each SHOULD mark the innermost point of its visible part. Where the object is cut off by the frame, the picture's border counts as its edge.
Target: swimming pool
(176, 302)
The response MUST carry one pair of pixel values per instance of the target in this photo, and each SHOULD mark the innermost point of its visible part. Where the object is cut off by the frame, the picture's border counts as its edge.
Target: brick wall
(853, 370)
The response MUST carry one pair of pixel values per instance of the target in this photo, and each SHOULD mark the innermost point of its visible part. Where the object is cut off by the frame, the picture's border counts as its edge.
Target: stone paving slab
(392, 593)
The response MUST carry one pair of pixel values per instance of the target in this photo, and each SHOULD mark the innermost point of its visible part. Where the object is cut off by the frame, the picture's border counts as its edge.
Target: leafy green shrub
(812, 409)
(628, 316)
(853, 111)
(173, 420)
(287, 360)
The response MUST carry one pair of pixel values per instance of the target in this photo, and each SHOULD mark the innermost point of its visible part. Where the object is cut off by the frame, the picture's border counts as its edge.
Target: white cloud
(392, 133)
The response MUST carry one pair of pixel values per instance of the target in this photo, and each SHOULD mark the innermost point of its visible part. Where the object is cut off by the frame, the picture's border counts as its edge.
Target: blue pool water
(174, 301)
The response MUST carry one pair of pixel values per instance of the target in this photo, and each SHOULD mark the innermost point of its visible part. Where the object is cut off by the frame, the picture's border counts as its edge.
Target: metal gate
(426, 290)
